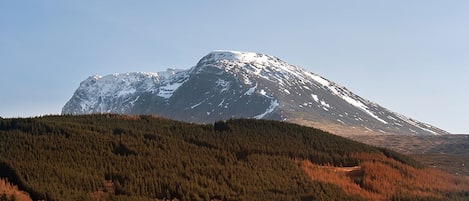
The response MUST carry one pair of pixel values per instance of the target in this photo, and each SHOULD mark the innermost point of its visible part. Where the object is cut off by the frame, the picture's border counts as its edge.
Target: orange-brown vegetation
(106, 193)
(337, 176)
(11, 192)
(380, 178)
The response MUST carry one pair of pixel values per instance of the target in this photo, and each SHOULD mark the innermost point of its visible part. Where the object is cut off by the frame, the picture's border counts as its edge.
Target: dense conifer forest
(117, 157)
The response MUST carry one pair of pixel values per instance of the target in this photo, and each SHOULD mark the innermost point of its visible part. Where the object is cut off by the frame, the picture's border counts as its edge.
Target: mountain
(232, 84)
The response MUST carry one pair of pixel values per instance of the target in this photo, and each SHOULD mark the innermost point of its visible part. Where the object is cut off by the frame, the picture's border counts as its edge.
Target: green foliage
(71, 157)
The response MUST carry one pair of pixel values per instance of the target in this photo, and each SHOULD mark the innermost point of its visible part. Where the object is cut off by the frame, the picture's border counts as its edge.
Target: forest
(143, 157)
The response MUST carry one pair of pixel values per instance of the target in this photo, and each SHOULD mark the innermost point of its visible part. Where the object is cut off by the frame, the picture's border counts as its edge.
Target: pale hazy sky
(409, 56)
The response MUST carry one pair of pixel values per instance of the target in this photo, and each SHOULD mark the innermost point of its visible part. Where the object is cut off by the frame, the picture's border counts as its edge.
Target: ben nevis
(233, 84)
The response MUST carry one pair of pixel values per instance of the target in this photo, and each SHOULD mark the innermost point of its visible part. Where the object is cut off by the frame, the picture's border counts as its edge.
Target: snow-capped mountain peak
(257, 64)
(238, 56)
(253, 62)
(232, 84)
(276, 70)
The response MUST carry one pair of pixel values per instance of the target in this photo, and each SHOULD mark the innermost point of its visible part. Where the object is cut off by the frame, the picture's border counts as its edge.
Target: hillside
(446, 152)
(116, 157)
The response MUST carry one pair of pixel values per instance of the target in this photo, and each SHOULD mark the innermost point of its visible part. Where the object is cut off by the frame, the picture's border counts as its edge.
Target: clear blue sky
(409, 56)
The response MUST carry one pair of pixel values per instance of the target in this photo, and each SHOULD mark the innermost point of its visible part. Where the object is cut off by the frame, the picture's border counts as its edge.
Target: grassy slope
(142, 158)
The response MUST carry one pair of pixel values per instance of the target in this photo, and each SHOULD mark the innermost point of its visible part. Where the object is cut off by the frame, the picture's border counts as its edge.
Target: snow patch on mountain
(323, 103)
(225, 85)
(251, 90)
(273, 104)
(167, 90)
(196, 105)
(417, 124)
(315, 98)
(318, 79)
(170, 81)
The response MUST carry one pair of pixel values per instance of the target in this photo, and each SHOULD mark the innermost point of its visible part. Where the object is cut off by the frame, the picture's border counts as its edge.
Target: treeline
(117, 157)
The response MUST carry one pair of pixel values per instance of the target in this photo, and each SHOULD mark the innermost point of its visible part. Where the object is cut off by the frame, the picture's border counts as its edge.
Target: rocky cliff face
(231, 84)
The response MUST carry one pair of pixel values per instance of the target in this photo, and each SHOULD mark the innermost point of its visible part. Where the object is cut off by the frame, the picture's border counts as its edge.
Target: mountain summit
(232, 84)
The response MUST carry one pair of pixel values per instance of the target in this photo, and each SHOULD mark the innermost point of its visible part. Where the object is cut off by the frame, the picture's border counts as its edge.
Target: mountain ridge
(232, 84)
